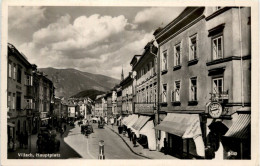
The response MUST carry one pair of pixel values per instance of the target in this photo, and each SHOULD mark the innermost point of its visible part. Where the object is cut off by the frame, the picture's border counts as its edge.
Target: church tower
(122, 74)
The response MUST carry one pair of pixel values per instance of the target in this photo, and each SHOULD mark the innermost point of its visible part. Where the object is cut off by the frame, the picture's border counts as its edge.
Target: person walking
(165, 146)
(134, 140)
(65, 127)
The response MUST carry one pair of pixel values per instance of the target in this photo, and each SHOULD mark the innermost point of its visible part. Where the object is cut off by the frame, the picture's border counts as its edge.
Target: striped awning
(126, 119)
(240, 128)
(182, 125)
(140, 122)
(132, 121)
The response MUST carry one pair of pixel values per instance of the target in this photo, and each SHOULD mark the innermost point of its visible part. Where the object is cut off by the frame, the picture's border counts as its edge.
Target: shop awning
(148, 131)
(183, 125)
(140, 122)
(11, 124)
(240, 128)
(132, 121)
(45, 118)
(119, 118)
(126, 119)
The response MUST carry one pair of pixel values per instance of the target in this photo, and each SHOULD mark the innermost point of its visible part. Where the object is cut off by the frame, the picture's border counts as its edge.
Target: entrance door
(175, 145)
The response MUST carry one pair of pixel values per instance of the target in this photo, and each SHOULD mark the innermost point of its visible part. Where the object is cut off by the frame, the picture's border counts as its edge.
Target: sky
(99, 40)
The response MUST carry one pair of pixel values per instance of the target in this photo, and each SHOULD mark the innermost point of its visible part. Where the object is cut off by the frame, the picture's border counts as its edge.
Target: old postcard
(152, 82)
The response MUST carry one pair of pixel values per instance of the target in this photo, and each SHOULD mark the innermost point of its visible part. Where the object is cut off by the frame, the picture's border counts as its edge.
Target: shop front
(228, 132)
(183, 135)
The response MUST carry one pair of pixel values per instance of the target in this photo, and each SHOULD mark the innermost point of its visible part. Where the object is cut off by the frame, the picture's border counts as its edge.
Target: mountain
(69, 82)
(91, 93)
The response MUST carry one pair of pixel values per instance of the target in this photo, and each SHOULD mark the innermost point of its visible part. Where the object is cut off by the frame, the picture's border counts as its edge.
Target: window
(217, 47)
(14, 75)
(29, 104)
(177, 86)
(9, 70)
(9, 99)
(18, 101)
(193, 89)
(13, 102)
(193, 47)
(164, 93)
(164, 61)
(217, 85)
(177, 54)
(19, 75)
(29, 80)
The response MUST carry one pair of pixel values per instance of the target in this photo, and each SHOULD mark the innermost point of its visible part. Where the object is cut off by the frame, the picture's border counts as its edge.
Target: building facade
(203, 63)
(20, 94)
(127, 95)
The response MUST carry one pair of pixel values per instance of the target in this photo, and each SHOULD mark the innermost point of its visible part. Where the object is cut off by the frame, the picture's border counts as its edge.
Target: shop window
(217, 47)
(217, 85)
(164, 93)
(164, 60)
(177, 54)
(193, 47)
(193, 89)
(10, 70)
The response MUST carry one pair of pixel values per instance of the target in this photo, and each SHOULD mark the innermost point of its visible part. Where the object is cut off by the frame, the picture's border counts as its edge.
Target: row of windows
(217, 51)
(15, 72)
(14, 101)
(217, 88)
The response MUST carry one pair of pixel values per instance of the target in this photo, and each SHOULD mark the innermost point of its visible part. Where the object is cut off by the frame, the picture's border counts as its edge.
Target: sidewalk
(139, 150)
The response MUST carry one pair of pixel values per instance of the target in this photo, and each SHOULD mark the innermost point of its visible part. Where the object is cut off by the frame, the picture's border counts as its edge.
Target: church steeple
(122, 74)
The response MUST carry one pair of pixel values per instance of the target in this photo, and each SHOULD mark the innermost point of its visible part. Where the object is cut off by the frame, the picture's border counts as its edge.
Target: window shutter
(31, 79)
(197, 48)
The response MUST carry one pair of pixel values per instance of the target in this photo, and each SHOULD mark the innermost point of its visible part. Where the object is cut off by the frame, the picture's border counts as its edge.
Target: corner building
(201, 85)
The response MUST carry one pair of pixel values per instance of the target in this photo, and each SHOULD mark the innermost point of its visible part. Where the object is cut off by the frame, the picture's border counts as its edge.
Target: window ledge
(164, 72)
(176, 67)
(193, 62)
(164, 104)
(176, 103)
(191, 103)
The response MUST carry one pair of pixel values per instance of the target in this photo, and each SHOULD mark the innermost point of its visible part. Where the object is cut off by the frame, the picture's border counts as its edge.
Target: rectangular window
(18, 101)
(193, 89)
(29, 104)
(19, 75)
(9, 99)
(14, 75)
(164, 61)
(217, 85)
(177, 87)
(13, 101)
(164, 93)
(177, 55)
(9, 70)
(217, 47)
(193, 47)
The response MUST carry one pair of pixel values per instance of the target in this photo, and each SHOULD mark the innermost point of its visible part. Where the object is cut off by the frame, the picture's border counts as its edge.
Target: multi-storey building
(145, 94)
(127, 95)
(45, 99)
(20, 94)
(57, 111)
(99, 105)
(109, 104)
(204, 62)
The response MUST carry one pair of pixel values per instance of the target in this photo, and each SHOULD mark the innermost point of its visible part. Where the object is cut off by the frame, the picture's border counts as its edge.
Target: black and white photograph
(129, 82)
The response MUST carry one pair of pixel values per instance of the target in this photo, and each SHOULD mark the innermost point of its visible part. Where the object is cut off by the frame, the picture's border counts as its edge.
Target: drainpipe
(241, 60)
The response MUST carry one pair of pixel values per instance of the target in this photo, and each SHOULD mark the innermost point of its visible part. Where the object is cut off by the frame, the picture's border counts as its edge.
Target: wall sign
(215, 109)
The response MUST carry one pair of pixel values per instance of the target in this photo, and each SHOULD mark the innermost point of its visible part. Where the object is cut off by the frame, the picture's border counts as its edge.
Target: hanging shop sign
(215, 109)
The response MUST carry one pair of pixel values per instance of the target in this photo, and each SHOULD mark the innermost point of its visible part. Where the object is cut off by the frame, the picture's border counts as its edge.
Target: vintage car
(47, 142)
(87, 129)
(101, 124)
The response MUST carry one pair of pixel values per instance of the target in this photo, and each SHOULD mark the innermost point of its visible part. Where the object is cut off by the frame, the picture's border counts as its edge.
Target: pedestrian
(134, 140)
(61, 132)
(26, 140)
(165, 146)
(39, 143)
(65, 127)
